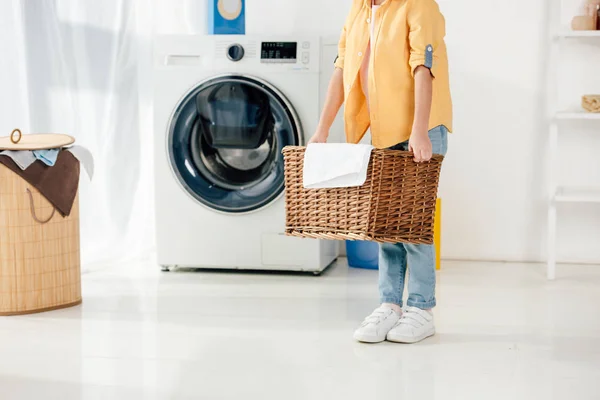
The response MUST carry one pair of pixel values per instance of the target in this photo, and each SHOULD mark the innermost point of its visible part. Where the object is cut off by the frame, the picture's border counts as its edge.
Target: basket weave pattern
(39, 263)
(396, 204)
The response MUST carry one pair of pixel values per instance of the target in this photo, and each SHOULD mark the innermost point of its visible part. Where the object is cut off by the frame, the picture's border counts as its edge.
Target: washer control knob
(235, 52)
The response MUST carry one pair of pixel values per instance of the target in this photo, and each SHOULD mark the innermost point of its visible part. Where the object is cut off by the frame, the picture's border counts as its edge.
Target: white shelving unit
(566, 194)
(561, 194)
(577, 115)
(579, 34)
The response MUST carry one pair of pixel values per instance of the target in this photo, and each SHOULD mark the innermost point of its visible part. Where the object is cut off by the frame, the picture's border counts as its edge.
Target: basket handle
(16, 136)
(32, 209)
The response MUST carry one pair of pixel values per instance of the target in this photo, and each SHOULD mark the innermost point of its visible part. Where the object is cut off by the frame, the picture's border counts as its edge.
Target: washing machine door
(225, 142)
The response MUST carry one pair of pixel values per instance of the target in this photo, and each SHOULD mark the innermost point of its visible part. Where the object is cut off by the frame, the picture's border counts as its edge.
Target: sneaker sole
(410, 340)
(368, 339)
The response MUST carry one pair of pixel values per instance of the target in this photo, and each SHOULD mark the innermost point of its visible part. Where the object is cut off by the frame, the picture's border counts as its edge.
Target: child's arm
(419, 142)
(427, 31)
(333, 103)
(335, 92)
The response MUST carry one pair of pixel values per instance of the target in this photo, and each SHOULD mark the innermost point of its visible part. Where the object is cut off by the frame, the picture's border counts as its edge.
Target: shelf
(579, 34)
(577, 195)
(582, 115)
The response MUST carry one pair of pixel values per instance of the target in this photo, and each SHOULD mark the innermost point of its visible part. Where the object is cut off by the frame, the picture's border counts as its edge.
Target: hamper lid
(39, 141)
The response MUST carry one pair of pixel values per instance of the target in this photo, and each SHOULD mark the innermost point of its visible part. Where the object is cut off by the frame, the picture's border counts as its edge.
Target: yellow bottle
(437, 233)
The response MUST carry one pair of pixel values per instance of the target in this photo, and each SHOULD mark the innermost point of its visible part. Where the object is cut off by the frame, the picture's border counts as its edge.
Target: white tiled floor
(504, 332)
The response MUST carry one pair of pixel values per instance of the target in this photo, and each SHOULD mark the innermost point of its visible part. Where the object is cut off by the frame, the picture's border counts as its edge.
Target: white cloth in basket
(336, 165)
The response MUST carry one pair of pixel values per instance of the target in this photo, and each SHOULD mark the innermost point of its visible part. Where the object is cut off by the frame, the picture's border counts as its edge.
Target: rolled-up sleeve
(341, 57)
(426, 35)
(339, 60)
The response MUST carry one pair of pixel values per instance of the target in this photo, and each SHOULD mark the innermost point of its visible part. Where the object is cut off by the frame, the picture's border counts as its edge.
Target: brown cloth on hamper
(58, 184)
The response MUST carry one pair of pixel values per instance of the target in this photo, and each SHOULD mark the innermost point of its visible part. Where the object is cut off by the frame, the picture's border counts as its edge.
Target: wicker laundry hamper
(39, 249)
(396, 204)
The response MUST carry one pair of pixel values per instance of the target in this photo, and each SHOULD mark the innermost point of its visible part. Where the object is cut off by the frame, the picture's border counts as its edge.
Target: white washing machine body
(219, 176)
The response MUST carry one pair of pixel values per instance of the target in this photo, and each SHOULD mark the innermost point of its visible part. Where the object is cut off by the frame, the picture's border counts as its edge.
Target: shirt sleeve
(426, 35)
(339, 60)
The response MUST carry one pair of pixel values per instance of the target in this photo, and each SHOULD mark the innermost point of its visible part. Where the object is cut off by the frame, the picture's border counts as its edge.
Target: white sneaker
(414, 326)
(376, 326)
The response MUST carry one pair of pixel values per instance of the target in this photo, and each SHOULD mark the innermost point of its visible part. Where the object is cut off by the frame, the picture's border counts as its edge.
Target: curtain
(13, 76)
(84, 68)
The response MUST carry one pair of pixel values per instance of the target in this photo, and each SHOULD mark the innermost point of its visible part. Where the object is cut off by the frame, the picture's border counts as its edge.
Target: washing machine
(225, 107)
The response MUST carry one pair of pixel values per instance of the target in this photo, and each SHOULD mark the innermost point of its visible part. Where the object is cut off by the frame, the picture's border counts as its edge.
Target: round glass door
(225, 142)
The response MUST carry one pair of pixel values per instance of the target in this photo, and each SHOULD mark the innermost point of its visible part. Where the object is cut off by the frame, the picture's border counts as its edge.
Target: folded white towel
(336, 165)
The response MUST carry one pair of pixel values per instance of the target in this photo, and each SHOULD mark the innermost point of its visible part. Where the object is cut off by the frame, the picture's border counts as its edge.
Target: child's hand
(320, 136)
(420, 145)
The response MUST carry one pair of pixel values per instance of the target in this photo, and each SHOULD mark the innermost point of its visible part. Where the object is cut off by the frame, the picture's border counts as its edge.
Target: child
(392, 73)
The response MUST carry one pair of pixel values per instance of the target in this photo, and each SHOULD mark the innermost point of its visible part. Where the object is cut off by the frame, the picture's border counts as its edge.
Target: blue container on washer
(362, 254)
(227, 17)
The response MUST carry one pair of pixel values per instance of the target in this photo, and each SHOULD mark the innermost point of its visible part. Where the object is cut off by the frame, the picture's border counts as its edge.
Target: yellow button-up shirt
(408, 34)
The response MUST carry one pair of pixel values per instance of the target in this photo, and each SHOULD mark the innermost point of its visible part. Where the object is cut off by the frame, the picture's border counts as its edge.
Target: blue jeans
(421, 258)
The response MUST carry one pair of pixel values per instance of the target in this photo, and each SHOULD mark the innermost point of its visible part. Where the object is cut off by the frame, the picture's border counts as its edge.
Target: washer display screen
(279, 51)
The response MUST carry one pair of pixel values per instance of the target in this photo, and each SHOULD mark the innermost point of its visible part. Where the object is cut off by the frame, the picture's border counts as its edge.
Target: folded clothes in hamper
(47, 156)
(335, 165)
(58, 184)
(22, 158)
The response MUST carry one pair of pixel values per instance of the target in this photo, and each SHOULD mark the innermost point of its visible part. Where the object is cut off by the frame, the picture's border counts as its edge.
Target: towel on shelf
(48, 157)
(336, 165)
(22, 158)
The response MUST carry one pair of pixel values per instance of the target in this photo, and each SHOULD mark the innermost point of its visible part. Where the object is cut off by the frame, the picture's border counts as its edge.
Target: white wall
(494, 184)
(494, 180)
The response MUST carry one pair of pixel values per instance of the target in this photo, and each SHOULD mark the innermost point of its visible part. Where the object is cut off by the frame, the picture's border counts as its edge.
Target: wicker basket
(395, 205)
(39, 260)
